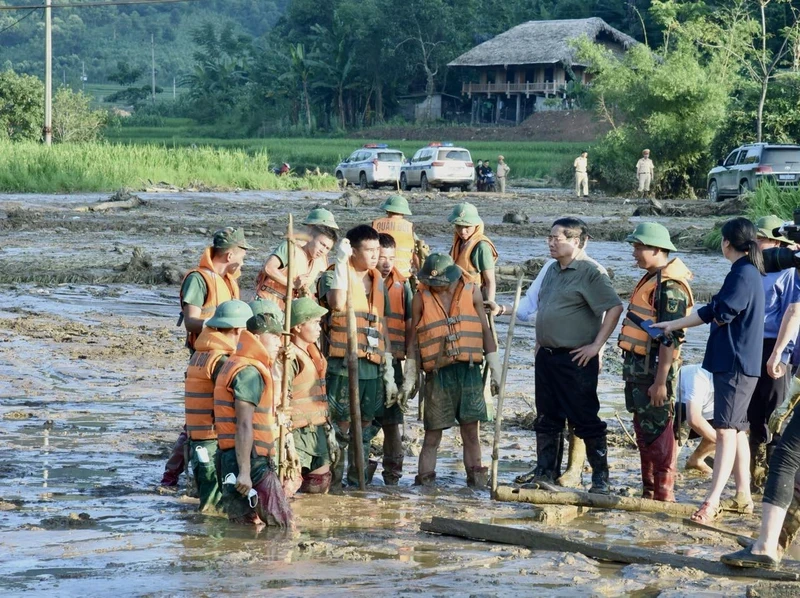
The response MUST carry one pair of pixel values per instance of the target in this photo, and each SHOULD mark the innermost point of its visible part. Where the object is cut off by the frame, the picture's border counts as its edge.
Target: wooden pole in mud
(283, 465)
(588, 499)
(538, 540)
(352, 377)
(498, 419)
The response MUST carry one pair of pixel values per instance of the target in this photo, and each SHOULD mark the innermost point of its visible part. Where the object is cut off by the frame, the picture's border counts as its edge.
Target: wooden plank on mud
(537, 540)
(598, 501)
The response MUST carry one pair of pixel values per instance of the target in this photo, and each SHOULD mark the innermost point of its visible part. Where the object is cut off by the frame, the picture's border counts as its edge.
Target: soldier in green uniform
(649, 367)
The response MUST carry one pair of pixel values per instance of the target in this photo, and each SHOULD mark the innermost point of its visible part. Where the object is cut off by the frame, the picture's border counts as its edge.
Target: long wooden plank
(537, 540)
(598, 501)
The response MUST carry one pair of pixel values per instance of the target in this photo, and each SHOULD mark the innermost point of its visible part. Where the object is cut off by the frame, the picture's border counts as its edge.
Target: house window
(510, 76)
(548, 74)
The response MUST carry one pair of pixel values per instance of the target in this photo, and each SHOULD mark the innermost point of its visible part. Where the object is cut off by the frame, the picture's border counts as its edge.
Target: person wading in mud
(247, 427)
(213, 282)
(472, 251)
(355, 265)
(310, 260)
(401, 230)
(528, 306)
(212, 348)
(649, 368)
(578, 311)
(398, 324)
(733, 356)
(309, 406)
(450, 334)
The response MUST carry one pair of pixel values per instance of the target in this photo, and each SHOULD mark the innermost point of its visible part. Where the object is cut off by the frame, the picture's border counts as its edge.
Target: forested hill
(101, 37)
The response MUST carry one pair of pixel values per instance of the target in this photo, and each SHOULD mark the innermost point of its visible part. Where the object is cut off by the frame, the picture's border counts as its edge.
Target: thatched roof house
(535, 59)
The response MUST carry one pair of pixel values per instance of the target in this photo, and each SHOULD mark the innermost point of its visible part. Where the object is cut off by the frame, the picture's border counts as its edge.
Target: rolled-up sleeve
(732, 299)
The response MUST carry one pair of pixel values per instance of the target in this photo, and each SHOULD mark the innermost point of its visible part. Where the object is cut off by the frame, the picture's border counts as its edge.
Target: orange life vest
(269, 288)
(309, 397)
(402, 231)
(461, 252)
(631, 337)
(219, 290)
(445, 338)
(396, 318)
(209, 347)
(369, 321)
(250, 352)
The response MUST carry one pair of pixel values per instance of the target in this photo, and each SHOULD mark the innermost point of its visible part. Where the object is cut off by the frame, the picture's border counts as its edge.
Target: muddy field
(91, 401)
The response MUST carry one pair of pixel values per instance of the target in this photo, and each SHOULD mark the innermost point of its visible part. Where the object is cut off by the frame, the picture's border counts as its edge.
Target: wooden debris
(556, 514)
(598, 501)
(538, 540)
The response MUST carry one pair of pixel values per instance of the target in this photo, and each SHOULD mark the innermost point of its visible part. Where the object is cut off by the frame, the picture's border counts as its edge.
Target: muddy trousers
(176, 462)
(367, 434)
(205, 473)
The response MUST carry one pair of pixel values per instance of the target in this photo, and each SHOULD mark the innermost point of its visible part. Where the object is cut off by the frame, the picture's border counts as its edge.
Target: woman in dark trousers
(733, 356)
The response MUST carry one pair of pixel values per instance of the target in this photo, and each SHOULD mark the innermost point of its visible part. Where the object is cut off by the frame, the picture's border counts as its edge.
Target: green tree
(21, 106)
(74, 120)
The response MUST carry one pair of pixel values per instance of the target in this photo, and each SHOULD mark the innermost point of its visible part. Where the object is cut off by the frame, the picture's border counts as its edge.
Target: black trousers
(769, 393)
(784, 465)
(566, 391)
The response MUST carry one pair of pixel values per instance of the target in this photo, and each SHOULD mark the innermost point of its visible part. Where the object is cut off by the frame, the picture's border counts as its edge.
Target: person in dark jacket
(733, 356)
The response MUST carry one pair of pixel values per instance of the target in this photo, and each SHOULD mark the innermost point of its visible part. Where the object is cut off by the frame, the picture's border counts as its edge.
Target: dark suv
(748, 165)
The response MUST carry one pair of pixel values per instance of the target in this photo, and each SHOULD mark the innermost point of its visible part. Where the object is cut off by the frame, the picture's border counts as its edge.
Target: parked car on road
(749, 165)
(438, 165)
(373, 165)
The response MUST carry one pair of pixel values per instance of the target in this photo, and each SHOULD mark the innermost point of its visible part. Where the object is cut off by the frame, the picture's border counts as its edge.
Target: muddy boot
(577, 455)
(392, 469)
(597, 455)
(372, 467)
(646, 458)
(662, 457)
(425, 479)
(758, 466)
(547, 446)
(791, 524)
(337, 469)
(316, 483)
(175, 463)
(478, 477)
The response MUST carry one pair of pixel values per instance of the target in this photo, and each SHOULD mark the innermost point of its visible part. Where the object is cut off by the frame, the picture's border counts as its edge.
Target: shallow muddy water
(91, 401)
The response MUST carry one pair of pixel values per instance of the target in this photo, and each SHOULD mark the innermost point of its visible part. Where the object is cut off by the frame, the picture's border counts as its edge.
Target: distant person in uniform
(644, 172)
(581, 178)
(502, 172)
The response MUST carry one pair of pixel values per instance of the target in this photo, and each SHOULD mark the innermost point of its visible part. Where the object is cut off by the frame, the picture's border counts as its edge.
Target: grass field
(526, 159)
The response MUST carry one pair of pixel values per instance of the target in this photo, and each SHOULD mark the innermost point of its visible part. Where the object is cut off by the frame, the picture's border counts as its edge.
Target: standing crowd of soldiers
(268, 405)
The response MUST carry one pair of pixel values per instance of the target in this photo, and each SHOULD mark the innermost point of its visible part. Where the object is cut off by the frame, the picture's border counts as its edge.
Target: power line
(18, 20)
(96, 4)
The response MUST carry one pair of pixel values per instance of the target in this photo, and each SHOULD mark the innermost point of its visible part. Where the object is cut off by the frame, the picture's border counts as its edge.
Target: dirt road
(90, 401)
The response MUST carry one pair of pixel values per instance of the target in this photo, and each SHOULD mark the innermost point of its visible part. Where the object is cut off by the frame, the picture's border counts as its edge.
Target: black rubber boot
(597, 455)
(758, 466)
(548, 448)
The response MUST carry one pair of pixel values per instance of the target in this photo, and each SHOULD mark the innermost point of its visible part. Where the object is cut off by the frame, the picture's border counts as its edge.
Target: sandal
(745, 558)
(706, 513)
(736, 505)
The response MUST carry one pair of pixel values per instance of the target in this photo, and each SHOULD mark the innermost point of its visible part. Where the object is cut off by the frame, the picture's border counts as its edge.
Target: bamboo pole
(352, 375)
(498, 418)
(598, 501)
(283, 465)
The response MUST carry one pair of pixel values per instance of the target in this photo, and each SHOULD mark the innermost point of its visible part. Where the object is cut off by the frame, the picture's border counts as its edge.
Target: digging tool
(352, 377)
(499, 415)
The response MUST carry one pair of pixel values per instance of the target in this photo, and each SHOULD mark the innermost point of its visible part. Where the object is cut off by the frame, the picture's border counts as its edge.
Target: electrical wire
(95, 4)
(15, 23)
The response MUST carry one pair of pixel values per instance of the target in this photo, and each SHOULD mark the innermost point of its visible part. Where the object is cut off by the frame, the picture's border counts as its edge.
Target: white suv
(438, 165)
(371, 166)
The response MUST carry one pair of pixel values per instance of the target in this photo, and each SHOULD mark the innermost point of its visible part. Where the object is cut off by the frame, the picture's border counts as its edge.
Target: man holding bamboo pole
(356, 258)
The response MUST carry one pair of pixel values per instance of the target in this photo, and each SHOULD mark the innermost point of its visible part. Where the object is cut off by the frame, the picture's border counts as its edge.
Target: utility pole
(153, 63)
(48, 75)
(173, 89)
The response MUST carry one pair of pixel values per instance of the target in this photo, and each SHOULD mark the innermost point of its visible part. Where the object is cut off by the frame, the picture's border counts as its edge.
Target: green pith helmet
(266, 322)
(230, 314)
(767, 224)
(264, 306)
(396, 204)
(225, 238)
(321, 217)
(651, 234)
(439, 270)
(305, 309)
(465, 214)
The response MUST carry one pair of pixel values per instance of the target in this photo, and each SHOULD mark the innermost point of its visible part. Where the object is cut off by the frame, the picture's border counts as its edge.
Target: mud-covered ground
(91, 370)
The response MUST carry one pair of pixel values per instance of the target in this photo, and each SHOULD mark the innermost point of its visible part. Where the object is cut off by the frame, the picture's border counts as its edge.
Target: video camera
(790, 231)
